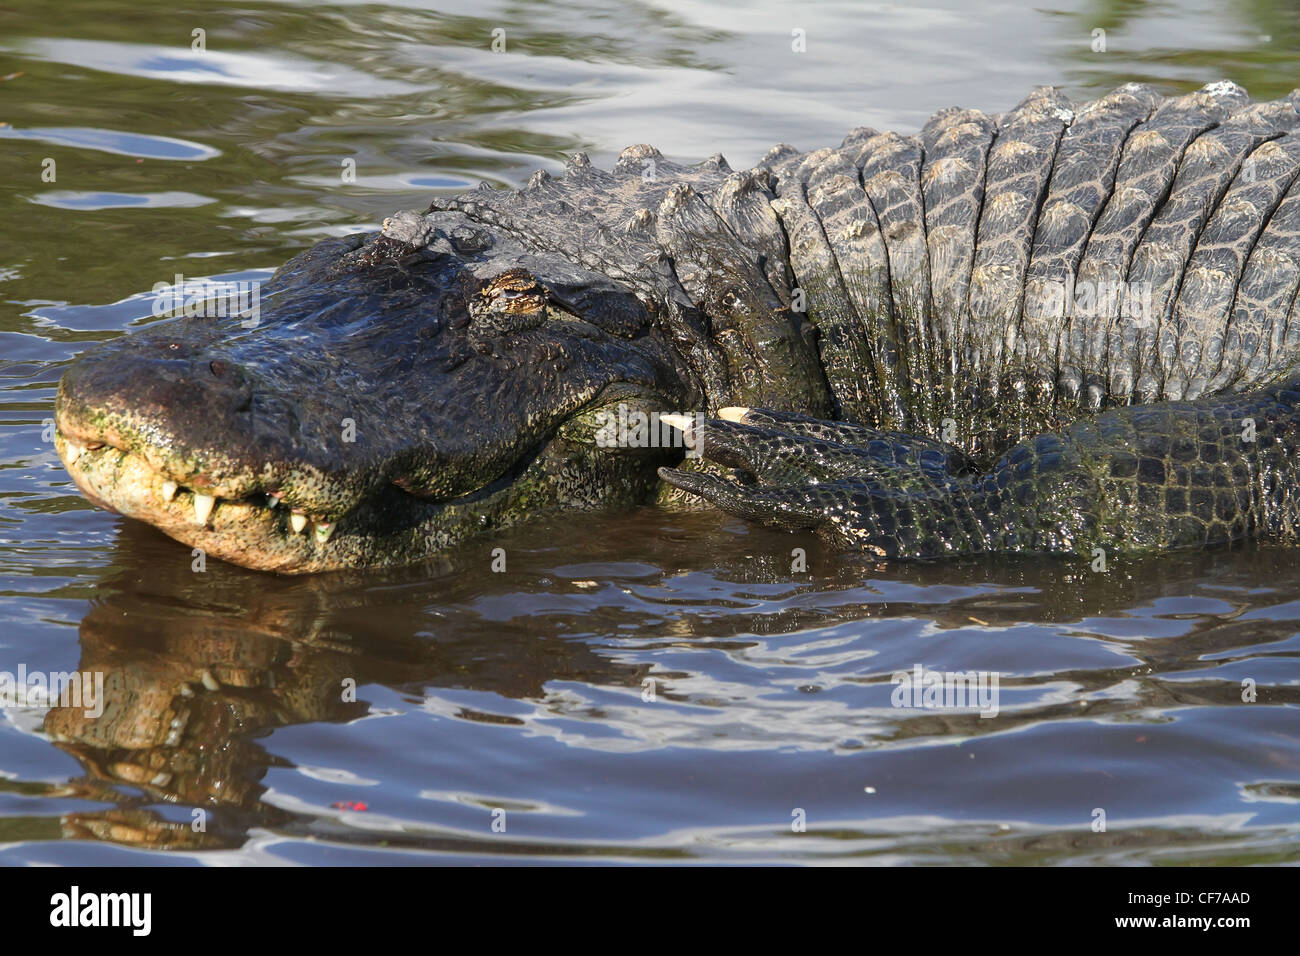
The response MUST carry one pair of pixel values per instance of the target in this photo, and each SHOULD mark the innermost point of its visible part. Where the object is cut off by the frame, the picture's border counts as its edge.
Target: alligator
(1061, 328)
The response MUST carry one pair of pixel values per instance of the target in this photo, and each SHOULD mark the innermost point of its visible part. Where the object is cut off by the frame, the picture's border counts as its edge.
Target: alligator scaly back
(1003, 272)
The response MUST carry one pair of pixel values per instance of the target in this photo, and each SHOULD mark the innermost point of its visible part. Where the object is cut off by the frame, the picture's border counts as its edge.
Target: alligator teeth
(680, 422)
(203, 505)
(169, 490)
(733, 413)
(297, 521)
(323, 531)
(74, 452)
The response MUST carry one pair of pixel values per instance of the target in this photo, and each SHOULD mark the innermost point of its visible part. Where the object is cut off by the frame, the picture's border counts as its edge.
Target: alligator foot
(1138, 478)
(862, 487)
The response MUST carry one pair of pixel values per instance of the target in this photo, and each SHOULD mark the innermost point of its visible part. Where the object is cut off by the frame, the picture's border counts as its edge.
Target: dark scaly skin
(1172, 475)
(858, 333)
(913, 287)
(1229, 238)
(1082, 181)
(1150, 162)
(891, 177)
(1162, 258)
(1019, 169)
(956, 144)
(1269, 282)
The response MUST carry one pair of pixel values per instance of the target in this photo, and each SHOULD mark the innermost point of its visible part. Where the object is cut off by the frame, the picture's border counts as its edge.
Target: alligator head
(393, 396)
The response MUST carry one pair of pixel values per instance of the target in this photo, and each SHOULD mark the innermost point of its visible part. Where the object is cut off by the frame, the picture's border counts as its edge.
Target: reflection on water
(634, 687)
(528, 691)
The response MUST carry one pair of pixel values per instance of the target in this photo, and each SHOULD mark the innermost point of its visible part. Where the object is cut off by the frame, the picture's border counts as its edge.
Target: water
(636, 687)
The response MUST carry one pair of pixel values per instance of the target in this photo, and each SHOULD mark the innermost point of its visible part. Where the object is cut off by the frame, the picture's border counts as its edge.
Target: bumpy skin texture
(1170, 475)
(1043, 272)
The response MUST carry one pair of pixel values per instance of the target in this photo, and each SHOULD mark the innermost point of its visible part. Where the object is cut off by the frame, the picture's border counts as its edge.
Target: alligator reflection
(199, 667)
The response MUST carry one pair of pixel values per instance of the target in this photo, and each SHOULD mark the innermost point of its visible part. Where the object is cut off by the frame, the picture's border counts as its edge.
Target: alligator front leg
(1141, 478)
(784, 448)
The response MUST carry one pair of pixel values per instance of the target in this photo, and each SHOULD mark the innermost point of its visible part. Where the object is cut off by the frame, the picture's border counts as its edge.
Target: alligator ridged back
(1005, 272)
(1132, 249)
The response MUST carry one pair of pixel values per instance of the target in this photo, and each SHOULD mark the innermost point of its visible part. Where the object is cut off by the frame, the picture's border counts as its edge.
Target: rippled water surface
(633, 687)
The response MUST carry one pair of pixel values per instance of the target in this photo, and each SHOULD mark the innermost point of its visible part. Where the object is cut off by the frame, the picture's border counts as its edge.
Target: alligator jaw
(387, 526)
(259, 531)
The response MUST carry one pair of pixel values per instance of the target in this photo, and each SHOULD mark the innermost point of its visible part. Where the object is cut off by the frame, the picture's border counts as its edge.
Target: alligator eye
(510, 296)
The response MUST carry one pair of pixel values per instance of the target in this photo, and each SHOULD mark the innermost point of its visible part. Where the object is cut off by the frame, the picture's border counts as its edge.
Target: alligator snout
(157, 400)
(171, 379)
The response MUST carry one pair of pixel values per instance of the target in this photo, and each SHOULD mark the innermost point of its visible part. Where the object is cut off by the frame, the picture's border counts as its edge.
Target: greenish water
(635, 687)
